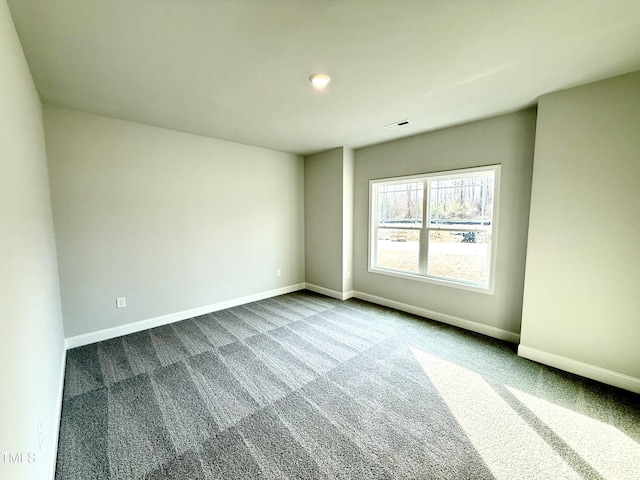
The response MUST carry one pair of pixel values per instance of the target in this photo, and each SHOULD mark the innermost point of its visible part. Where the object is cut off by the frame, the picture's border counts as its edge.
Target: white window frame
(422, 275)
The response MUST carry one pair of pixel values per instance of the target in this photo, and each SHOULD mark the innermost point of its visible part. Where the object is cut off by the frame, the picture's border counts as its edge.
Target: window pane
(457, 255)
(462, 201)
(400, 204)
(398, 249)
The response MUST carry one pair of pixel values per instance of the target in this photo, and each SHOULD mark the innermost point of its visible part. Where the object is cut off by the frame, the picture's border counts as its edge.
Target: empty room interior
(319, 239)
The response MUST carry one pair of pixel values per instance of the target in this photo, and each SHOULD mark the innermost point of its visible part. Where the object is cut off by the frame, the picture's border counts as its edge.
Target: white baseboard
(593, 372)
(108, 333)
(348, 295)
(53, 457)
(328, 292)
(442, 317)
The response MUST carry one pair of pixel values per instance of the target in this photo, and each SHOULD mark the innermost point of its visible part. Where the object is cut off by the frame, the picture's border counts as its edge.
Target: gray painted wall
(31, 342)
(348, 184)
(323, 205)
(328, 190)
(507, 140)
(581, 297)
(171, 221)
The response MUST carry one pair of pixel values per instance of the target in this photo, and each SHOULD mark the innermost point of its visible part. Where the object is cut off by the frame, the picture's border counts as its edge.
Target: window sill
(478, 288)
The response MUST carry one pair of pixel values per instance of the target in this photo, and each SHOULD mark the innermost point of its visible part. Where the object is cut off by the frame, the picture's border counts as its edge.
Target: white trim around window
(436, 227)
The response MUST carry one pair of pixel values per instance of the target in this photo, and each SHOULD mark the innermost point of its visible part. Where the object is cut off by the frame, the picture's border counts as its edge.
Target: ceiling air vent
(399, 124)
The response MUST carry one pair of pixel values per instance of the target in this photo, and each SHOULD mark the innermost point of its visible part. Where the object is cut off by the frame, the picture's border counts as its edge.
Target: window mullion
(373, 249)
(423, 254)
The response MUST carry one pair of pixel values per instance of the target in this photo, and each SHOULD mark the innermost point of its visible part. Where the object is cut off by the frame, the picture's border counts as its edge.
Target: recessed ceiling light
(319, 80)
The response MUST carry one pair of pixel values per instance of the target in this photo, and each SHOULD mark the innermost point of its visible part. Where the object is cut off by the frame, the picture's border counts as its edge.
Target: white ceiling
(237, 69)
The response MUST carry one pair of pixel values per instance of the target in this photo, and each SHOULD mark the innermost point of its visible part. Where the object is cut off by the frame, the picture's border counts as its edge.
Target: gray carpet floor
(304, 386)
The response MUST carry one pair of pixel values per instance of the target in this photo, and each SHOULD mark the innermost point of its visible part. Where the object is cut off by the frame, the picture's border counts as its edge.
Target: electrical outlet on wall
(121, 302)
(278, 273)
